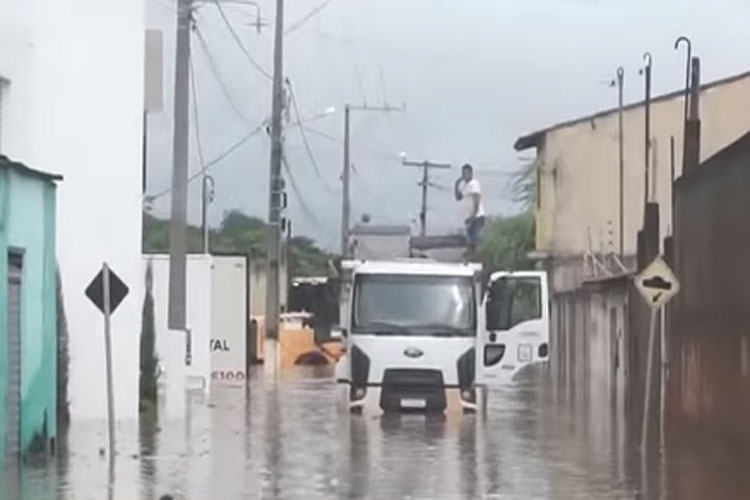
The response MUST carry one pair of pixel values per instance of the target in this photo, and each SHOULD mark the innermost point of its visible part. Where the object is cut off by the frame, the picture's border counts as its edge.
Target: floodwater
(289, 441)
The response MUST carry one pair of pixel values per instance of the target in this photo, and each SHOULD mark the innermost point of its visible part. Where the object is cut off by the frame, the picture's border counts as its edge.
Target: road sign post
(108, 354)
(658, 285)
(107, 291)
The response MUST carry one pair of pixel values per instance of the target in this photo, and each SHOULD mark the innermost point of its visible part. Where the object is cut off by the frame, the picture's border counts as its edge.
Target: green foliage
(507, 241)
(240, 234)
(63, 358)
(306, 259)
(524, 185)
(149, 375)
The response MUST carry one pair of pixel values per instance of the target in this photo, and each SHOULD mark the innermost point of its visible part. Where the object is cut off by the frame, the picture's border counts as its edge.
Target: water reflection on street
(290, 441)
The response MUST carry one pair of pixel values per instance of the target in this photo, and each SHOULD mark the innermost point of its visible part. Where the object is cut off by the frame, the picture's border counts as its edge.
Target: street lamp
(326, 112)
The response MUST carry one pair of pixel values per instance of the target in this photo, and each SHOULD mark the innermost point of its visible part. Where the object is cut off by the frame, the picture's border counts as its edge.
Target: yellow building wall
(579, 168)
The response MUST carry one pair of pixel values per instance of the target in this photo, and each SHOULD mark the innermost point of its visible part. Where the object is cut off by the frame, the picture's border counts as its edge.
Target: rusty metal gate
(13, 375)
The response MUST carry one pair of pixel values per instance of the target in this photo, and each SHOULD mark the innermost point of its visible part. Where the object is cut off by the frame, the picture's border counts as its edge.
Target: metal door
(13, 388)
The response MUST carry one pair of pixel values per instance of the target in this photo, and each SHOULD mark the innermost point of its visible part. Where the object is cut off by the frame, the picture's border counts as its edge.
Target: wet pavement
(290, 441)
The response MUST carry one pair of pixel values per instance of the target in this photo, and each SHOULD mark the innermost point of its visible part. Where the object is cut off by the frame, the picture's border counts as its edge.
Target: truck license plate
(413, 403)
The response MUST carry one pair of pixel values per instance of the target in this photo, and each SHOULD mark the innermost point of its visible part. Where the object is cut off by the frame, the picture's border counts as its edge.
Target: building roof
(366, 229)
(6, 162)
(533, 139)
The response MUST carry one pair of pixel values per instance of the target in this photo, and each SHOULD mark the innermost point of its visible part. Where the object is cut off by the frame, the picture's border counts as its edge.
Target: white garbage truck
(431, 336)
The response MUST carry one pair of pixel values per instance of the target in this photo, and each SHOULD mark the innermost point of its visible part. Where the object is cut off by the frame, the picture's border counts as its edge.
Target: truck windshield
(418, 305)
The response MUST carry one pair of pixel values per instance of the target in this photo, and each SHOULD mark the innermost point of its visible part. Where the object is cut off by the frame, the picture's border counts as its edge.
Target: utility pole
(346, 174)
(425, 166)
(345, 201)
(621, 147)
(273, 278)
(647, 74)
(178, 218)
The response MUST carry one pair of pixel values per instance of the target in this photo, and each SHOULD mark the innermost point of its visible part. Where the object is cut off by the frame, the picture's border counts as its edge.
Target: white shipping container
(229, 320)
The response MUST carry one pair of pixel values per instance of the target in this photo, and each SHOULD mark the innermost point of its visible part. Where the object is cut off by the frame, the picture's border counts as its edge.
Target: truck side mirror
(493, 312)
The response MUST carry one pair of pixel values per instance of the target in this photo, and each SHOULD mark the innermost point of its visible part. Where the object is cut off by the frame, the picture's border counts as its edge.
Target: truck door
(516, 326)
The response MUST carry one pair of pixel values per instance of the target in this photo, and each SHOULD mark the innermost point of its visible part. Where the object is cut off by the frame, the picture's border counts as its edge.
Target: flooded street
(291, 442)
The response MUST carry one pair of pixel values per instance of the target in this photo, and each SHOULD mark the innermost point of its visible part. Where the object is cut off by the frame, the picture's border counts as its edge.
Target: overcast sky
(473, 74)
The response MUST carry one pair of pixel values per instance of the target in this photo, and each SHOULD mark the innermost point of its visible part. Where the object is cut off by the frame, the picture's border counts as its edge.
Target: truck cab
(410, 333)
(425, 336)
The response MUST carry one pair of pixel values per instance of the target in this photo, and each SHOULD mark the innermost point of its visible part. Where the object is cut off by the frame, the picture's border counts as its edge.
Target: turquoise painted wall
(27, 224)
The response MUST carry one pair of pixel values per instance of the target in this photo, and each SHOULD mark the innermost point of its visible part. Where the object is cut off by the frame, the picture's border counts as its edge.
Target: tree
(507, 242)
(149, 362)
(63, 358)
(524, 185)
(239, 233)
(306, 259)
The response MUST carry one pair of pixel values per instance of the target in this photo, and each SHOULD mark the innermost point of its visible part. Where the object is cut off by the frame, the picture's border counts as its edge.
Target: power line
(304, 138)
(213, 162)
(195, 116)
(392, 156)
(307, 17)
(214, 69)
(239, 42)
(298, 193)
(370, 149)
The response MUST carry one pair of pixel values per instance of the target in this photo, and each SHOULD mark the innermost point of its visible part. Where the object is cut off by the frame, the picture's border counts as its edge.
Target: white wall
(74, 107)
(170, 344)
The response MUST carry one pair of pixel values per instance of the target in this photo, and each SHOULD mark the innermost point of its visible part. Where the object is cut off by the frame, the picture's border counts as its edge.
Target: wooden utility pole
(425, 166)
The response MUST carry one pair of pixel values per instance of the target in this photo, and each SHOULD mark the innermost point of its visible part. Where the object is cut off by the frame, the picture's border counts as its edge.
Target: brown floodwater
(288, 440)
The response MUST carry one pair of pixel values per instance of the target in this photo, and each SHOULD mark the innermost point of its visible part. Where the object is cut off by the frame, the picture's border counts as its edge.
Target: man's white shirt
(468, 191)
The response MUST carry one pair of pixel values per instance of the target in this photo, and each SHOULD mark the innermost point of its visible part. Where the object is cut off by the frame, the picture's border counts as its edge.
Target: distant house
(28, 313)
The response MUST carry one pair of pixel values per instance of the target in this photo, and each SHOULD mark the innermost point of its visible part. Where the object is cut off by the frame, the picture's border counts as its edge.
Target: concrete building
(599, 322)
(709, 334)
(577, 208)
(28, 309)
(72, 102)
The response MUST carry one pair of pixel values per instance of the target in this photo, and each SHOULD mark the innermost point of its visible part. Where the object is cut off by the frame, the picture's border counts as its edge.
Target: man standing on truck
(469, 192)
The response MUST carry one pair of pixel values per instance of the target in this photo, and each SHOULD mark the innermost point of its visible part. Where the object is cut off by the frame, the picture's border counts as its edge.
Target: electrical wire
(237, 39)
(371, 150)
(310, 155)
(196, 118)
(215, 71)
(297, 25)
(298, 193)
(213, 162)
